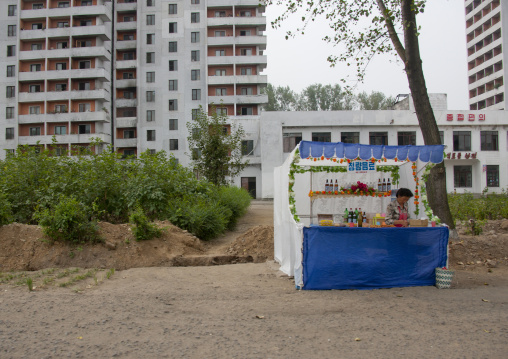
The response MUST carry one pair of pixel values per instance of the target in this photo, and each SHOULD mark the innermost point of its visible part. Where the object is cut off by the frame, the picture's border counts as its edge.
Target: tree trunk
(436, 193)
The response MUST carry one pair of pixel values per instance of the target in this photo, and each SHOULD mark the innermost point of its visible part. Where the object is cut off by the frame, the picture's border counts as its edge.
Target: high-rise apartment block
(487, 56)
(130, 73)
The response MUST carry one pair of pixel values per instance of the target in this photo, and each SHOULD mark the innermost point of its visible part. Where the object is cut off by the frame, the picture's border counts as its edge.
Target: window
(150, 19)
(150, 76)
(10, 70)
(127, 37)
(173, 105)
(128, 112)
(150, 2)
(128, 75)
(220, 14)
(150, 135)
(35, 131)
(86, 2)
(246, 52)
(195, 75)
(290, 140)
(128, 56)
(350, 137)
(34, 110)
(150, 39)
(84, 64)
(245, 111)
(173, 65)
(173, 124)
(35, 67)
(128, 153)
(9, 133)
(195, 55)
(220, 53)
(173, 144)
(84, 86)
(244, 32)
(61, 45)
(220, 33)
(221, 91)
(194, 2)
(63, 4)
(150, 115)
(194, 37)
(246, 71)
(489, 140)
(492, 176)
(246, 90)
(172, 9)
(60, 108)
(11, 30)
(150, 57)
(195, 113)
(173, 85)
(406, 138)
(461, 141)
(172, 28)
(9, 113)
(85, 23)
(35, 47)
(129, 134)
(196, 94)
(84, 107)
(221, 111)
(61, 66)
(150, 96)
(11, 50)
(220, 72)
(378, 138)
(62, 24)
(128, 95)
(441, 137)
(247, 147)
(322, 136)
(10, 91)
(246, 13)
(37, 6)
(60, 87)
(173, 46)
(463, 176)
(12, 9)
(128, 18)
(84, 129)
(60, 130)
(194, 18)
(61, 151)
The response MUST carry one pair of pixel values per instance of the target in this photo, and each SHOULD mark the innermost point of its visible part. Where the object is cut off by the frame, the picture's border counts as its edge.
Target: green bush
(5, 210)
(68, 221)
(487, 206)
(237, 200)
(141, 226)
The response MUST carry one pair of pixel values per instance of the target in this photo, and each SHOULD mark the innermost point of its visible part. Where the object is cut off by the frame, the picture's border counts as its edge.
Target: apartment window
(173, 144)
(221, 91)
(128, 95)
(194, 37)
(60, 87)
(463, 176)
(173, 105)
(246, 111)
(84, 129)
(127, 37)
(246, 52)
(194, 2)
(60, 108)
(86, 3)
(62, 4)
(128, 18)
(489, 140)
(462, 140)
(61, 151)
(173, 65)
(172, 9)
(244, 32)
(150, 96)
(173, 46)
(85, 23)
(11, 50)
(35, 67)
(195, 55)
(150, 19)
(220, 72)
(196, 94)
(150, 57)
(290, 140)
(150, 135)
(220, 53)
(128, 75)
(84, 43)
(441, 137)
(129, 112)
(150, 39)
(150, 76)
(84, 107)
(246, 13)
(173, 124)
(128, 55)
(61, 45)
(84, 86)
(194, 18)
(221, 111)
(492, 176)
(246, 90)
(378, 138)
(220, 14)
(247, 147)
(150, 115)
(9, 133)
(61, 66)
(195, 75)
(35, 47)
(62, 24)
(34, 110)
(10, 91)
(406, 138)
(150, 2)
(11, 30)
(172, 27)
(84, 64)
(322, 136)
(129, 134)
(246, 71)
(60, 130)
(10, 70)
(350, 137)
(195, 113)
(9, 113)
(220, 33)
(173, 85)
(35, 131)
(11, 10)
(128, 153)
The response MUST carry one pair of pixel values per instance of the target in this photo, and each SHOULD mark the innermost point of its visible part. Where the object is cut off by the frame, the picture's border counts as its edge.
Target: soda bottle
(327, 187)
(388, 186)
(379, 186)
(336, 187)
(355, 216)
(346, 215)
(360, 218)
(384, 185)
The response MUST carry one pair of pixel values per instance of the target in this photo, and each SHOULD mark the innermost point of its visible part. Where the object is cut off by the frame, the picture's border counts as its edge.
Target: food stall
(340, 257)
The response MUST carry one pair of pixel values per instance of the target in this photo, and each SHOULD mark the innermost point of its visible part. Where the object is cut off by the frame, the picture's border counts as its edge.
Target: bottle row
(357, 217)
(381, 186)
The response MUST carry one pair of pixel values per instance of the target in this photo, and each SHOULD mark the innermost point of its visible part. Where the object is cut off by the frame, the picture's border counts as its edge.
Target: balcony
(93, 51)
(126, 142)
(31, 96)
(238, 3)
(99, 116)
(126, 44)
(259, 21)
(125, 83)
(126, 64)
(126, 6)
(29, 34)
(123, 102)
(99, 72)
(251, 99)
(102, 11)
(241, 79)
(102, 31)
(238, 40)
(97, 94)
(126, 122)
(33, 54)
(129, 25)
(239, 60)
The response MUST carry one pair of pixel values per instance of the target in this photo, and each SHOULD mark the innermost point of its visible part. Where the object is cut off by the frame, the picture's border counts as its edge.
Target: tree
(319, 97)
(370, 27)
(216, 146)
(280, 98)
(375, 101)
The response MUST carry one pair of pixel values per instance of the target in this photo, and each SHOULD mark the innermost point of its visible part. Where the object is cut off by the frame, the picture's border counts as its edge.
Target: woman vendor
(397, 211)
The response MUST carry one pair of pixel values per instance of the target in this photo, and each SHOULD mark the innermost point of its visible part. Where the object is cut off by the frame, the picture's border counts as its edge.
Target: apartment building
(131, 73)
(486, 50)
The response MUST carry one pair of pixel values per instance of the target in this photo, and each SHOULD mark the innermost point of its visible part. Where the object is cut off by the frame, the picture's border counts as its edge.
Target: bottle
(379, 185)
(355, 216)
(331, 185)
(360, 218)
(327, 187)
(388, 186)
(336, 187)
(346, 215)
(364, 217)
(350, 216)
(384, 185)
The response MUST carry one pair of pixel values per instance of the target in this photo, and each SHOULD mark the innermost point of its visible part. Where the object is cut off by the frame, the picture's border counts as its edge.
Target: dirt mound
(256, 242)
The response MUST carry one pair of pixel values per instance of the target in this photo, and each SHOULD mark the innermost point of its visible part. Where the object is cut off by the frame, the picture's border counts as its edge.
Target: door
(249, 183)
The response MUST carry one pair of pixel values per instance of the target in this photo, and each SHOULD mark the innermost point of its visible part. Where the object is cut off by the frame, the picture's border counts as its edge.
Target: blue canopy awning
(351, 151)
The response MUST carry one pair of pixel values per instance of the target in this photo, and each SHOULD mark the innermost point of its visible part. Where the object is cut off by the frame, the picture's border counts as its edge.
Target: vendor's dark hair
(404, 192)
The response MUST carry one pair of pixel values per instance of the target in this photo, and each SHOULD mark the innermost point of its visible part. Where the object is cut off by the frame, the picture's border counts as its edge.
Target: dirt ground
(169, 298)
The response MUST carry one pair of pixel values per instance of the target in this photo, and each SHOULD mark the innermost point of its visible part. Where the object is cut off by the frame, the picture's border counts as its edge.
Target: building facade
(486, 20)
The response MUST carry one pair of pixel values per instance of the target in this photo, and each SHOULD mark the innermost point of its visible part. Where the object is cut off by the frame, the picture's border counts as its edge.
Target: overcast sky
(301, 61)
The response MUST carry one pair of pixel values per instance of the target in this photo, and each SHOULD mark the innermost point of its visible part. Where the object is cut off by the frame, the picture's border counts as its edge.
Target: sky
(301, 61)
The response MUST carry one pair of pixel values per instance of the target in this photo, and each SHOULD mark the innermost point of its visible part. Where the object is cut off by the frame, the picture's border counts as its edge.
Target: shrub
(68, 221)
(141, 226)
(237, 200)
(5, 210)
